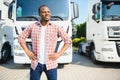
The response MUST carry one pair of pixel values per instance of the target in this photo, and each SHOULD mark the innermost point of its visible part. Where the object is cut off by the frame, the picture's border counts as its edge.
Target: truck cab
(25, 12)
(103, 31)
(5, 31)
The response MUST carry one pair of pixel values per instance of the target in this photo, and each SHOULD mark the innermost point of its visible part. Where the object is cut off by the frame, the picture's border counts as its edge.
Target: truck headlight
(20, 54)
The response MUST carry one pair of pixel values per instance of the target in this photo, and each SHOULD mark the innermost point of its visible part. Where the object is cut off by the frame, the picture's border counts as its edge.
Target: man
(44, 35)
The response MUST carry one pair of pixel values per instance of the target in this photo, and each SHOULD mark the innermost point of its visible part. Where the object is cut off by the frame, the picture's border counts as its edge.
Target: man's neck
(44, 23)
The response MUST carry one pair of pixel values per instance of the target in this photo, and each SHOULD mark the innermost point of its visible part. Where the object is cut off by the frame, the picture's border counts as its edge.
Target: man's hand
(31, 55)
(53, 56)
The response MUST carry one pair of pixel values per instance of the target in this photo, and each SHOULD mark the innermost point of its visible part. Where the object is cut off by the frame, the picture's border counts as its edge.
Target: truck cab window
(27, 12)
(111, 11)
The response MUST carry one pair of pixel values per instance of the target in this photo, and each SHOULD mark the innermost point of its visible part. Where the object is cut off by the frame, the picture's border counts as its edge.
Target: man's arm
(22, 40)
(67, 42)
(29, 53)
(58, 54)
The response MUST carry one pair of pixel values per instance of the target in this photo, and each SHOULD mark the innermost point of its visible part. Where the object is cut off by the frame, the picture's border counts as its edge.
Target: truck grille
(29, 45)
(114, 32)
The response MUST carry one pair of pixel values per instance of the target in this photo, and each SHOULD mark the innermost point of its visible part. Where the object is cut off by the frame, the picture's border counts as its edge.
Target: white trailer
(103, 31)
(25, 12)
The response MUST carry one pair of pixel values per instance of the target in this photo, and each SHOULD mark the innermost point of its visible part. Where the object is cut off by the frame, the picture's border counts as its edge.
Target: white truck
(25, 12)
(5, 32)
(102, 31)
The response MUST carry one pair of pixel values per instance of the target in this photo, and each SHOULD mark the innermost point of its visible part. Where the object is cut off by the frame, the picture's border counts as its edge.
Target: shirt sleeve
(22, 36)
(64, 36)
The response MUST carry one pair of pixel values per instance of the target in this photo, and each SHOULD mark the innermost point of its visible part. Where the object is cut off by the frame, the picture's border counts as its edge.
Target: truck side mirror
(10, 10)
(0, 14)
(75, 10)
(76, 13)
(96, 12)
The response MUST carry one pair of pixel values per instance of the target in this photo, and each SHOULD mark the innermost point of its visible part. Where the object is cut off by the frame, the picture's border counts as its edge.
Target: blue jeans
(36, 74)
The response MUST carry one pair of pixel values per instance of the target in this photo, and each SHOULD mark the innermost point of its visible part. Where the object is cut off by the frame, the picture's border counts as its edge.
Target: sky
(83, 11)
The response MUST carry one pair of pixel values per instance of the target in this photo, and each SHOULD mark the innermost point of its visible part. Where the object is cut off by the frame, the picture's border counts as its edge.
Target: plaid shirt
(52, 33)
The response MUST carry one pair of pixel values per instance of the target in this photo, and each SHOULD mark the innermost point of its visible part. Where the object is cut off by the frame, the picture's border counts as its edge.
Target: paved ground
(80, 69)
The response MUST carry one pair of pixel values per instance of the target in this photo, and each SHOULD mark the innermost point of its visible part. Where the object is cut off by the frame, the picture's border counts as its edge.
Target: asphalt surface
(80, 69)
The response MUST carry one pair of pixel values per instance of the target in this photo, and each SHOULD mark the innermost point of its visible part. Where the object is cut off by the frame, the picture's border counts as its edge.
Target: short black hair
(41, 7)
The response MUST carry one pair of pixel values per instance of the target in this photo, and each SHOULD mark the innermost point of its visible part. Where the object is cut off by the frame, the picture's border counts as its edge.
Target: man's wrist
(60, 53)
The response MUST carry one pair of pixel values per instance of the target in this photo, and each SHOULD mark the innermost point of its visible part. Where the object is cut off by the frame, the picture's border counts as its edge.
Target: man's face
(45, 14)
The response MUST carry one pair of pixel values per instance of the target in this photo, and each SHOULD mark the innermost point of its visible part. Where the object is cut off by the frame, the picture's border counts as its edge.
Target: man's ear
(39, 13)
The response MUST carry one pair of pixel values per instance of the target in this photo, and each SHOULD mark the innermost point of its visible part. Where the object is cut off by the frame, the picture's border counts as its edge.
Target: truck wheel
(5, 54)
(92, 56)
(80, 51)
(61, 66)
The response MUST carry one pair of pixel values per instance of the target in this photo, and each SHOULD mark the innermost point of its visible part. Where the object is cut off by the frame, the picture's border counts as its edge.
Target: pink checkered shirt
(52, 33)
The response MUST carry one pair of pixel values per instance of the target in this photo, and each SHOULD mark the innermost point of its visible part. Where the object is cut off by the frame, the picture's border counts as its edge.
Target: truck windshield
(27, 10)
(111, 10)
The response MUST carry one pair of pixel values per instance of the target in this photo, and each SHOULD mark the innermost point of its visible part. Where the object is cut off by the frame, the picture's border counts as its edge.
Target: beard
(45, 17)
(46, 20)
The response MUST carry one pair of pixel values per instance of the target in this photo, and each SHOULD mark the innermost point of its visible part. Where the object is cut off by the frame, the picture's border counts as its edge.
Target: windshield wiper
(111, 17)
(115, 17)
(56, 18)
(28, 18)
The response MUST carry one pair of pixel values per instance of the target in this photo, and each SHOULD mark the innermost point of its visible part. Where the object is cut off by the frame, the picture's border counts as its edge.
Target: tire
(80, 51)
(6, 53)
(92, 56)
(60, 66)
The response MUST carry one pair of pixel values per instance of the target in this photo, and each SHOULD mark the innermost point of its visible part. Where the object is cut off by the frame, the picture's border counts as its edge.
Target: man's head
(44, 13)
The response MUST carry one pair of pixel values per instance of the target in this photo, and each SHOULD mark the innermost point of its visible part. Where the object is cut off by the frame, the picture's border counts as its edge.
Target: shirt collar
(39, 24)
